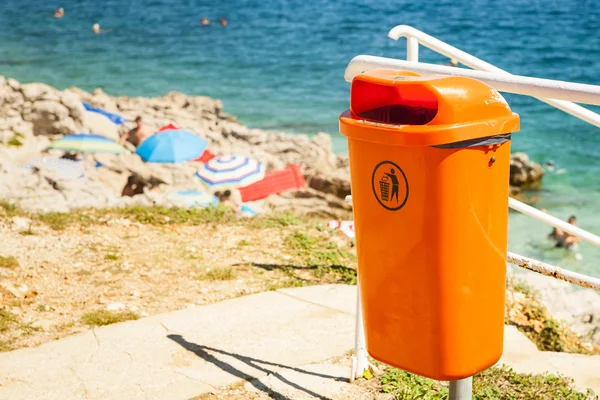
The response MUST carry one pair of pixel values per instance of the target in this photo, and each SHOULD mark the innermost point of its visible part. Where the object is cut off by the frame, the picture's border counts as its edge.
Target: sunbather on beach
(226, 199)
(72, 156)
(135, 185)
(137, 135)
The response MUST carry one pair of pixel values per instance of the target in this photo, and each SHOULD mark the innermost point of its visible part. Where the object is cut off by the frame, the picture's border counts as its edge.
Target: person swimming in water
(59, 13)
(204, 21)
(223, 22)
(96, 28)
(564, 239)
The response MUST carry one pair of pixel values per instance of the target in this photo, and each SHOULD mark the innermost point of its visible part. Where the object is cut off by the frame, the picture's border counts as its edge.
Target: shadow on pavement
(204, 352)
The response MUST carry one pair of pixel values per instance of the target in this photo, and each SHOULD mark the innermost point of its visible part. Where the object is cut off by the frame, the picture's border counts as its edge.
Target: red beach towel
(274, 182)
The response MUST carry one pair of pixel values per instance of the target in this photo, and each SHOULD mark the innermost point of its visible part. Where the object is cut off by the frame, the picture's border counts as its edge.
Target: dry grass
(8, 262)
(530, 316)
(105, 317)
(218, 274)
(153, 260)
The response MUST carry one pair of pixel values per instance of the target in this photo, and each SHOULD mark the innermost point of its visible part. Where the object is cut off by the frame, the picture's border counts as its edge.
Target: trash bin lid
(402, 108)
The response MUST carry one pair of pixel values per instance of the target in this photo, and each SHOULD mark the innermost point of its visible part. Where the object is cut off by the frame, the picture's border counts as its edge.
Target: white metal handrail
(523, 85)
(556, 93)
(416, 37)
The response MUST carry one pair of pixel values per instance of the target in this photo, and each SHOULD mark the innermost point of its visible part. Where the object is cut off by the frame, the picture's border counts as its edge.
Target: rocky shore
(32, 115)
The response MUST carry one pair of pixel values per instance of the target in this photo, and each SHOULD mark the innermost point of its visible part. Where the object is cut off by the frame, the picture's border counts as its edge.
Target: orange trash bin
(429, 166)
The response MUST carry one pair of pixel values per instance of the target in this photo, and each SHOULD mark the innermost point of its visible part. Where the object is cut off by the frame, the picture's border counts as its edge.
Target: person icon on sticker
(395, 183)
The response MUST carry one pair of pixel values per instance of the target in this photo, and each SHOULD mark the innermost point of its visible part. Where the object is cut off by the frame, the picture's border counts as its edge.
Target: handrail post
(412, 49)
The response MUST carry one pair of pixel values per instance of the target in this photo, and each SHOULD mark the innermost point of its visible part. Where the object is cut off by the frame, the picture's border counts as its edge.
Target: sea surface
(279, 65)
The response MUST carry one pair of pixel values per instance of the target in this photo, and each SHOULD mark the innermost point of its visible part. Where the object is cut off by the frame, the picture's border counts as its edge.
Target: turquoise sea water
(279, 65)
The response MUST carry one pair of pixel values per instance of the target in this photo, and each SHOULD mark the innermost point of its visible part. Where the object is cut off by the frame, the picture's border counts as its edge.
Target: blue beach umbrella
(171, 146)
(87, 143)
(193, 198)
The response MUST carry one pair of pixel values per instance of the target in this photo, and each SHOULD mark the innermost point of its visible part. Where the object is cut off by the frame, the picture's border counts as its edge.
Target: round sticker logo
(390, 186)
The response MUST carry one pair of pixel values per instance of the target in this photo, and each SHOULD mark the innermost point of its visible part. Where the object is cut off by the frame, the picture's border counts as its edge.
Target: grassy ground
(530, 316)
(59, 272)
(496, 383)
(62, 273)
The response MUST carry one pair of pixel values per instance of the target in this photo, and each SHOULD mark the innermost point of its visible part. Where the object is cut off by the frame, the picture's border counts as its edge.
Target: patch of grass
(276, 220)
(6, 320)
(9, 262)
(111, 256)
(10, 209)
(496, 383)
(105, 317)
(287, 283)
(16, 140)
(174, 215)
(243, 243)
(300, 241)
(326, 259)
(55, 220)
(519, 285)
(27, 232)
(218, 274)
(7, 345)
(28, 329)
(525, 311)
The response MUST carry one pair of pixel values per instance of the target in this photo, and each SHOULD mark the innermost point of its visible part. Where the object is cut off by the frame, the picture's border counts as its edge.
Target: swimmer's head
(96, 28)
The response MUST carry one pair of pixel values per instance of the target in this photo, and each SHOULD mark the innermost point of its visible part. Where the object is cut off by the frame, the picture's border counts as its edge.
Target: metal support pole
(461, 389)
(360, 360)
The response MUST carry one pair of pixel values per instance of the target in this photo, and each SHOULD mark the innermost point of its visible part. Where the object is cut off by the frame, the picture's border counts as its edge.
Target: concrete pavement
(182, 354)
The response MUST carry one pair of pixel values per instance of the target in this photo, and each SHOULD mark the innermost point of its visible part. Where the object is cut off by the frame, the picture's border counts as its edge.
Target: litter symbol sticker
(390, 186)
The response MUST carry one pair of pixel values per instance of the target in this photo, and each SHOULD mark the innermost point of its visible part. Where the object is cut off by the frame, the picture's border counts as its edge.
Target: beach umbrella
(87, 143)
(68, 169)
(230, 172)
(193, 198)
(171, 146)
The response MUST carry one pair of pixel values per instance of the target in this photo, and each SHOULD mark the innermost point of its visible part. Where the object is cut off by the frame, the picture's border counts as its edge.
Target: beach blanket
(117, 119)
(274, 182)
(347, 227)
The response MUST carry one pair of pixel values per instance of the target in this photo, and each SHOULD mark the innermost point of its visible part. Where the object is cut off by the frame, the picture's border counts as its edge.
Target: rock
(98, 123)
(9, 290)
(20, 223)
(14, 84)
(525, 173)
(115, 306)
(74, 104)
(44, 324)
(50, 118)
(39, 91)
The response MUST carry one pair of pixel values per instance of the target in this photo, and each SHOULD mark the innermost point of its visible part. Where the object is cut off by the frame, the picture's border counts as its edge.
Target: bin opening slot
(396, 104)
